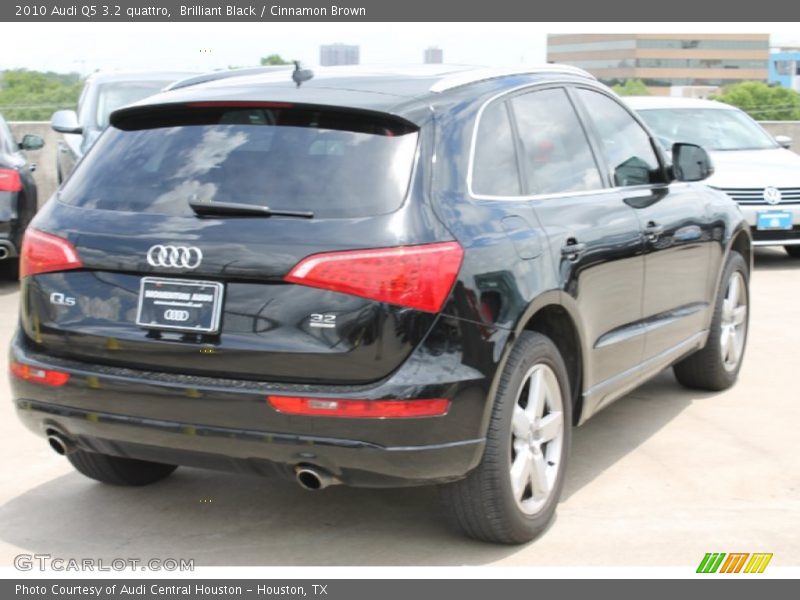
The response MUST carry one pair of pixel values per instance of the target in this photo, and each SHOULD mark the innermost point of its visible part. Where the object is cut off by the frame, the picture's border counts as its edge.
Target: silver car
(102, 93)
(758, 171)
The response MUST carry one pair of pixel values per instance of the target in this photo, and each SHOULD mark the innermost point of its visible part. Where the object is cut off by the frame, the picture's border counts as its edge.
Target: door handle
(572, 249)
(653, 231)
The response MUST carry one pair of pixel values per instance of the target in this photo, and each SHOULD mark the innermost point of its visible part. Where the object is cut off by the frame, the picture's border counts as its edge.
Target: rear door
(163, 288)
(675, 226)
(593, 236)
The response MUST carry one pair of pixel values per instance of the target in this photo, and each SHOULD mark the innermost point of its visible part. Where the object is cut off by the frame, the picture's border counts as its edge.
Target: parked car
(374, 279)
(17, 195)
(758, 171)
(102, 93)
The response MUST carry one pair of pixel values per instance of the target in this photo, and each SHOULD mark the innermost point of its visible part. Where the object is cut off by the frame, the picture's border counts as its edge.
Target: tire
(9, 269)
(708, 369)
(793, 251)
(116, 470)
(484, 505)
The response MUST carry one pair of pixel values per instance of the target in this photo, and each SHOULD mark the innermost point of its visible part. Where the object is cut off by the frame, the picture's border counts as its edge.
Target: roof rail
(226, 74)
(466, 77)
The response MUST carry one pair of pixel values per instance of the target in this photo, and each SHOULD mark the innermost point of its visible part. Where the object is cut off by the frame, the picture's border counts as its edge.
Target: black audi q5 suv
(391, 278)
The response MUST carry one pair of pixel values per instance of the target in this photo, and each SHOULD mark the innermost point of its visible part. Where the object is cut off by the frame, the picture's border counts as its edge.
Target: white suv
(758, 171)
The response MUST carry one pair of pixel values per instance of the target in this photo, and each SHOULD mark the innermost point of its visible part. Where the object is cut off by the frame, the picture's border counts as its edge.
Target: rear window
(337, 165)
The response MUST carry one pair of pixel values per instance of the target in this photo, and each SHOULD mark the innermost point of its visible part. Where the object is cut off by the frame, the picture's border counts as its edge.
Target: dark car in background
(374, 278)
(102, 93)
(18, 198)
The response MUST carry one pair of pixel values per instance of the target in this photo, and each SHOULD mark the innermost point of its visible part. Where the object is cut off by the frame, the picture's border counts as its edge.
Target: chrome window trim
(470, 165)
(629, 191)
(461, 78)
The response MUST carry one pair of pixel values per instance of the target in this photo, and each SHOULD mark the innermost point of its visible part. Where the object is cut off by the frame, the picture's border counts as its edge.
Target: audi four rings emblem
(173, 314)
(176, 257)
(772, 195)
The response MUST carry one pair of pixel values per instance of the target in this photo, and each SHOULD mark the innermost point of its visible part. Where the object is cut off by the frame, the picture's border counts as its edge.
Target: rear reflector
(419, 277)
(37, 375)
(371, 409)
(10, 181)
(45, 253)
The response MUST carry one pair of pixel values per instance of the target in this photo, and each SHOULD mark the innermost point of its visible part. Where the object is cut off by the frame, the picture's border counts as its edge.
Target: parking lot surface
(661, 477)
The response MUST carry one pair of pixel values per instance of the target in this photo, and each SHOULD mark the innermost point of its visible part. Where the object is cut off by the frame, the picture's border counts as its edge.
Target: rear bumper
(228, 425)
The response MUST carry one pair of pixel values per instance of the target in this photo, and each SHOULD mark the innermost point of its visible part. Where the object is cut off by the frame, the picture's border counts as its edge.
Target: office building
(784, 68)
(664, 60)
(338, 54)
(434, 55)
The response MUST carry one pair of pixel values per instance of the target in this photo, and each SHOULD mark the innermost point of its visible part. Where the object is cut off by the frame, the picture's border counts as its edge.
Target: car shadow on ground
(8, 287)
(228, 519)
(774, 259)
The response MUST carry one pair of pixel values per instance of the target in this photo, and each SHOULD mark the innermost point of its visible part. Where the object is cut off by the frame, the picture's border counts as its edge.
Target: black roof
(400, 91)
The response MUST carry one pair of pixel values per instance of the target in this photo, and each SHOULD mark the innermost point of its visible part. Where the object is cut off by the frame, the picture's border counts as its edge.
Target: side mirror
(784, 141)
(690, 162)
(31, 142)
(66, 121)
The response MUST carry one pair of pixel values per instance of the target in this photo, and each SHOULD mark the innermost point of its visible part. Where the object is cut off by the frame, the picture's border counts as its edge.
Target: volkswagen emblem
(175, 257)
(772, 195)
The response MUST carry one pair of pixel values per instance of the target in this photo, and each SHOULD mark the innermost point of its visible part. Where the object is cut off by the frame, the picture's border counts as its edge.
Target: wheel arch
(554, 315)
(742, 242)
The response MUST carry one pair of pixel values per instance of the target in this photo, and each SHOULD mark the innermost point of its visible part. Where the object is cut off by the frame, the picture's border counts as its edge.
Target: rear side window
(556, 155)
(494, 168)
(626, 144)
(337, 165)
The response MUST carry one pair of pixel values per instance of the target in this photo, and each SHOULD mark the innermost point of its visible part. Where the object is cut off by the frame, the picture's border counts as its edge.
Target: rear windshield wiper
(236, 209)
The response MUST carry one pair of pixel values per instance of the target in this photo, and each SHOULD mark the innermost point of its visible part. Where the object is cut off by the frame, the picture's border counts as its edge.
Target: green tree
(632, 87)
(761, 101)
(274, 59)
(34, 95)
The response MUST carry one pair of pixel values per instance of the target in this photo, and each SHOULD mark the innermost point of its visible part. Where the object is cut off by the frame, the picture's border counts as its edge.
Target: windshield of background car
(111, 96)
(335, 164)
(712, 128)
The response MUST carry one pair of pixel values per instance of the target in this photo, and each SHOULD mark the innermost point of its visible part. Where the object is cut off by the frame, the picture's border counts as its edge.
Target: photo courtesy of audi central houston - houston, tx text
(335, 294)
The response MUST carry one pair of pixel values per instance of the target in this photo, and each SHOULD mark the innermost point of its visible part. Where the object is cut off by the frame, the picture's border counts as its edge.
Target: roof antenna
(300, 75)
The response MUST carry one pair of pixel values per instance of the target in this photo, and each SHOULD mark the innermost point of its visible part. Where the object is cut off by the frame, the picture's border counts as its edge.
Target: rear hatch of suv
(249, 240)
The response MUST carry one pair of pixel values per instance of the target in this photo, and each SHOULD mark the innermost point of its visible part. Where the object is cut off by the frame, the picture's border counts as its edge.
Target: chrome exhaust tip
(312, 479)
(60, 444)
(3, 252)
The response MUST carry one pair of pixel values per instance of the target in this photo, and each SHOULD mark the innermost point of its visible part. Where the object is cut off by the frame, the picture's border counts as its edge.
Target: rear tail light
(45, 253)
(37, 375)
(374, 409)
(419, 277)
(10, 181)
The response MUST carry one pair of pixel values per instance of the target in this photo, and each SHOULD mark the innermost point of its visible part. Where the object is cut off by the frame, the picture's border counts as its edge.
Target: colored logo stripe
(758, 563)
(710, 562)
(734, 562)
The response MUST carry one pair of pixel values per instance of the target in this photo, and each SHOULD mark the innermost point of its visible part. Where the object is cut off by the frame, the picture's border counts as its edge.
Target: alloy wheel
(537, 435)
(734, 322)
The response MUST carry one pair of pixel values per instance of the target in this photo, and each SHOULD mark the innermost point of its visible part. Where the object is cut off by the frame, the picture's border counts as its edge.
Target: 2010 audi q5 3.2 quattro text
(407, 277)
